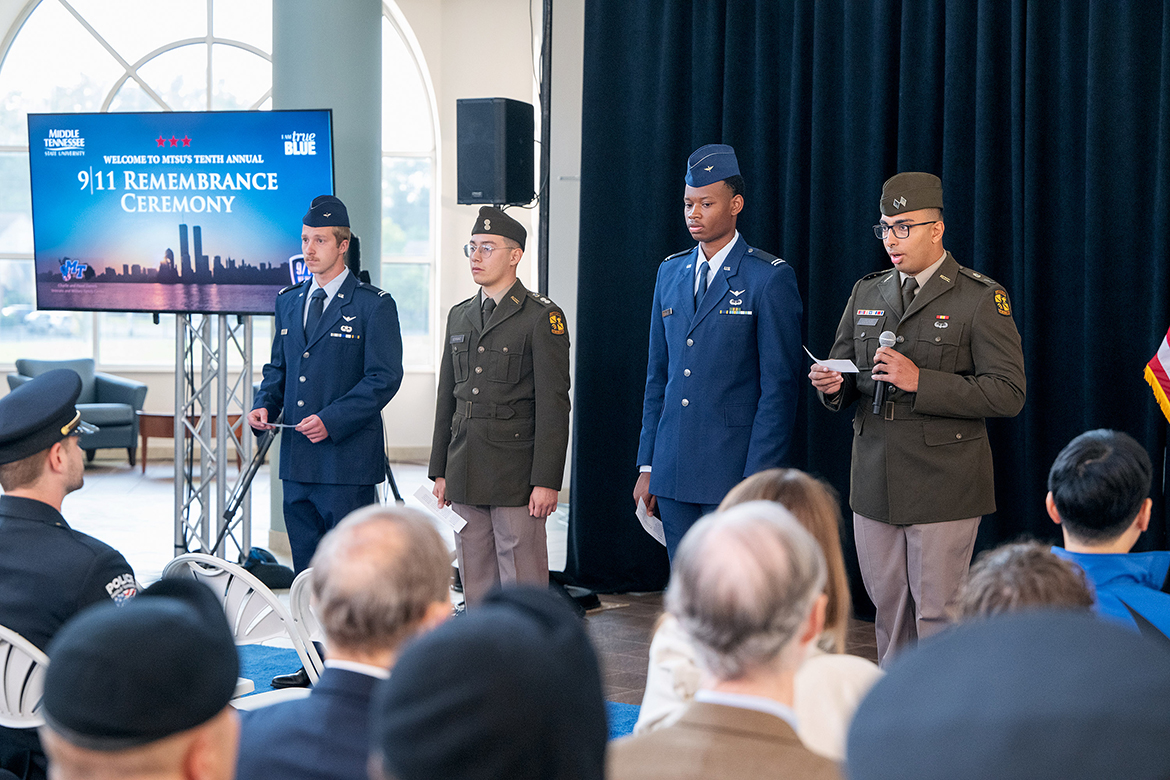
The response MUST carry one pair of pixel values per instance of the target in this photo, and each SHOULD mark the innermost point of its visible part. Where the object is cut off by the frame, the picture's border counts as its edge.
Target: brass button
(479, 369)
(958, 435)
(686, 402)
(300, 403)
(690, 342)
(505, 349)
(475, 391)
(901, 339)
(516, 435)
(937, 339)
(305, 355)
(302, 379)
(686, 372)
(481, 349)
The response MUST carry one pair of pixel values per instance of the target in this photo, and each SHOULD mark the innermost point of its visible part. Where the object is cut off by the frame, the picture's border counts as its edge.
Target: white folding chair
(253, 611)
(300, 604)
(22, 681)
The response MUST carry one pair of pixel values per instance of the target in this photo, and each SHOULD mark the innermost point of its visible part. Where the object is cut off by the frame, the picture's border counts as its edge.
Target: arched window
(94, 55)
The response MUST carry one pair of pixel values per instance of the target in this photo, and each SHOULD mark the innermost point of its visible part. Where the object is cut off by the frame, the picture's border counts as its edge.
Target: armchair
(107, 401)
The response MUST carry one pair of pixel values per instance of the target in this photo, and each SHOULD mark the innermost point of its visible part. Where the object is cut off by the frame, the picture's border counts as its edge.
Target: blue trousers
(311, 509)
(677, 519)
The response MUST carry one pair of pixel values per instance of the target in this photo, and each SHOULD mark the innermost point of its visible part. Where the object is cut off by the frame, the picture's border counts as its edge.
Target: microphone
(887, 339)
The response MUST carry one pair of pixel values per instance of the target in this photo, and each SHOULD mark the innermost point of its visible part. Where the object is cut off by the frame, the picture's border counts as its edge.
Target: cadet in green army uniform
(921, 476)
(502, 416)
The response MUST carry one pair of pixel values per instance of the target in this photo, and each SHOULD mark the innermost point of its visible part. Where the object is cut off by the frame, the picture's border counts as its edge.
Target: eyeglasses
(485, 249)
(901, 229)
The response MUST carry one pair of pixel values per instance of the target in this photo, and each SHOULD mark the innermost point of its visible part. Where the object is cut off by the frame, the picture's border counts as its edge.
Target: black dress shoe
(298, 679)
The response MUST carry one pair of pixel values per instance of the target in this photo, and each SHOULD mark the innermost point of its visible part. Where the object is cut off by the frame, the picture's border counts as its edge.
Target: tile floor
(134, 513)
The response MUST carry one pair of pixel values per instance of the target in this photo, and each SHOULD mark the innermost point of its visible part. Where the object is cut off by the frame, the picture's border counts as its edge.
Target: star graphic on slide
(174, 141)
(186, 141)
(161, 141)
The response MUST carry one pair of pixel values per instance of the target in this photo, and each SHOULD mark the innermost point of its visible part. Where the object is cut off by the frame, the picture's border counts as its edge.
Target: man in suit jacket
(748, 591)
(379, 578)
(336, 361)
(722, 378)
(922, 476)
(502, 415)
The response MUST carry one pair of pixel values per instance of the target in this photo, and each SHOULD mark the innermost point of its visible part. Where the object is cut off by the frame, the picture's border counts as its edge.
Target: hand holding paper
(651, 523)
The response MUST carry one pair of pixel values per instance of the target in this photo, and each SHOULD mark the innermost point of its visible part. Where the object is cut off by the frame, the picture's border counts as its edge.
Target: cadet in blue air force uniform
(331, 377)
(722, 378)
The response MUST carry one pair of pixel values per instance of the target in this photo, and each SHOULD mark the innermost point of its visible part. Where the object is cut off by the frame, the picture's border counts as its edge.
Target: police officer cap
(120, 677)
(511, 690)
(711, 163)
(1026, 695)
(326, 211)
(40, 413)
(911, 191)
(495, 222)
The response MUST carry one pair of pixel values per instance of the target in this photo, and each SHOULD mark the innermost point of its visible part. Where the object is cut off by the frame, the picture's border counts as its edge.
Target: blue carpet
(260, 663)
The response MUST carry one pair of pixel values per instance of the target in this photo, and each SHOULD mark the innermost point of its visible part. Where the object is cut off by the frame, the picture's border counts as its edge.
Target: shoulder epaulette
(372, 288)
(290, 287)
(987, 280)
(677, 254)
(760, 254)
(876, 274)
(542, 299)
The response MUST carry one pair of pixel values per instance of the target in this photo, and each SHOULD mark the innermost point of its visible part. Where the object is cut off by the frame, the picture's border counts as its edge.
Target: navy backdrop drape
(1049, 123)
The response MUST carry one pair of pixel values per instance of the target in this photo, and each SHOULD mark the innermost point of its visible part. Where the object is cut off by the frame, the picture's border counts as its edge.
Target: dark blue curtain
(1049, 123)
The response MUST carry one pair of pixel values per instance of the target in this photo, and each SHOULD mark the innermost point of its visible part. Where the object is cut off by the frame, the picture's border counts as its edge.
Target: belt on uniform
(480, 409)
(893, 410)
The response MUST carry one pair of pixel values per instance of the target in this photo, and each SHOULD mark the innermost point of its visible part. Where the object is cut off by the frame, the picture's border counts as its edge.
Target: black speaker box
(495, 150)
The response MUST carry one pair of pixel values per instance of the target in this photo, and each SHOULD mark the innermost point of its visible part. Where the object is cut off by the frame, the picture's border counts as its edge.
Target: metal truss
(205, 398)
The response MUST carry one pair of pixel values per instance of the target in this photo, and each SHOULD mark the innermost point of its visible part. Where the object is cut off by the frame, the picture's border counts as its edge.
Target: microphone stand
(241, 490)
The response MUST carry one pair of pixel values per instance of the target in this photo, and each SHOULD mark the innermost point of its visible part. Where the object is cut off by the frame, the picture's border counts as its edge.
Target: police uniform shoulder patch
(973, 274)
(122, 588)
(677, 254)
(556, 323)
(1002, 303)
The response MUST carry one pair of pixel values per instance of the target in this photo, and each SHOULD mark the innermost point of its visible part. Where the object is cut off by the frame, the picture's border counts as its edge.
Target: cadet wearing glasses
(921, 476)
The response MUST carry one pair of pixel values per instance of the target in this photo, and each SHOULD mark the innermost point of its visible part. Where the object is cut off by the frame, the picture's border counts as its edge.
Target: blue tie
(704, 267)
(316, 307)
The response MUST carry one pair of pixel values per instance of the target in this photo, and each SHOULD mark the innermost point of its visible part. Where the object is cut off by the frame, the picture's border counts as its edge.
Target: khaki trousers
(912, 573)
(500, 545)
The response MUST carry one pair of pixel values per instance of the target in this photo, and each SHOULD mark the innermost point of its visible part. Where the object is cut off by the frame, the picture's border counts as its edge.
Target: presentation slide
(173, 212)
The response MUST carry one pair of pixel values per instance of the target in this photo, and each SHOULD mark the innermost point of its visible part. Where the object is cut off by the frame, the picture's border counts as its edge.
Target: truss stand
(205, 403)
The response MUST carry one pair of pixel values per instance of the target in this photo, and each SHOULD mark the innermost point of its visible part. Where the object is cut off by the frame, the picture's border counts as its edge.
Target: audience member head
(39, 453)
(1037, 694)
(1021, 576)
(510, 691)
(815, 505)
(142, 690)
(1098, 490)
(747, 589)
(379, 577)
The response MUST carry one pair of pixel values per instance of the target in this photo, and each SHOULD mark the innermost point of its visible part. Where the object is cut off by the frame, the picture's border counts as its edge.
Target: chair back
(300, 604)
(84, 367)
(253, 612)
(22, 681)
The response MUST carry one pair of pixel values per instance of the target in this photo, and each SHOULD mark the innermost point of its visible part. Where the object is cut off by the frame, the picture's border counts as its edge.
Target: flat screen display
(178, 212)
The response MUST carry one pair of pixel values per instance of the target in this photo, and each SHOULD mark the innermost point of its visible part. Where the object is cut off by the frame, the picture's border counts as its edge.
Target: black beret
(511, 689)
(326, 211)
(493, 221)
(711, 163)
(911, 191)
(1025, 695)
(40, 413)
(125, 676)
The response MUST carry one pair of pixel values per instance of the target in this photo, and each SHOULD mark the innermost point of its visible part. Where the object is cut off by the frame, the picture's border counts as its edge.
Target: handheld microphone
(887, 339)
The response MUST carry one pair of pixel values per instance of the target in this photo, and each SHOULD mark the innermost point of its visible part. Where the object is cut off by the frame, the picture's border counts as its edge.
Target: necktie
(489, 305)
(316, 307)
(908, 288)
(704, 267)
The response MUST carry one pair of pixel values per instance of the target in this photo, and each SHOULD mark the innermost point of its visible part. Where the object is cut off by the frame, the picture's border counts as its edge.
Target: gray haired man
(747, 589)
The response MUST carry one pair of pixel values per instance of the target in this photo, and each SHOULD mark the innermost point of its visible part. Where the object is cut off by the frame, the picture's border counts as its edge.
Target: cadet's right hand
(642, 491)
(440, 492)
(258, 419)
(827, 381)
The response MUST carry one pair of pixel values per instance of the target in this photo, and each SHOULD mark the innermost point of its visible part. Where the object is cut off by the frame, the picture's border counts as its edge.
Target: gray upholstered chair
(107, 401)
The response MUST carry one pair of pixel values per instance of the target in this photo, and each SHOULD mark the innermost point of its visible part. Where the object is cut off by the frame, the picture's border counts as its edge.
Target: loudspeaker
(495, 150)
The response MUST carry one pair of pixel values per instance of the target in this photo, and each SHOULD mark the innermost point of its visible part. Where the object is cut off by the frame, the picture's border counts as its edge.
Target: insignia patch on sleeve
(557, 323)
(122, 588)
(1001, 303)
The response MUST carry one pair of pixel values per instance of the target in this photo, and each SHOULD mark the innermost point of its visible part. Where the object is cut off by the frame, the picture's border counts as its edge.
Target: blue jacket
(322, 737)
(721, 383)
(345, 372)
(1133, 579)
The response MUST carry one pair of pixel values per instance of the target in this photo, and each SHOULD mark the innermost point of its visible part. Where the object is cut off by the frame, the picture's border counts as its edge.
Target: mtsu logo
(71, 269)
(297, 269)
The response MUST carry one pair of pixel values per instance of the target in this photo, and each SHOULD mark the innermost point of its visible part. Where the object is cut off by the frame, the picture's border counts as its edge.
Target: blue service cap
(123, 676)
(711, 163)
(326, 211)
(40, 413)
